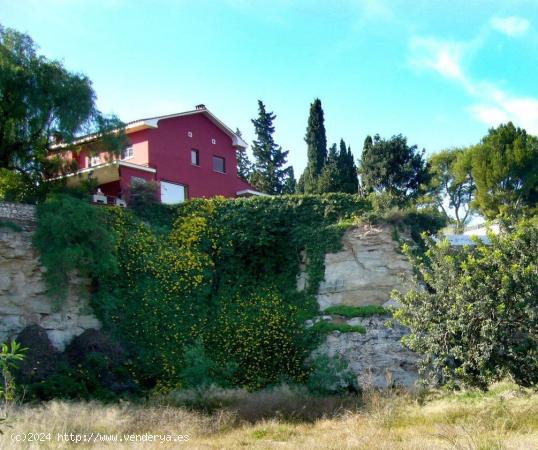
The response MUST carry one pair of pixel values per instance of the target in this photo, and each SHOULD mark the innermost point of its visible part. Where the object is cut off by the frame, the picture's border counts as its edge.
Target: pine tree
(269, 174)
(316, 141)
(290, 184)
(244, 166)
(393, 167)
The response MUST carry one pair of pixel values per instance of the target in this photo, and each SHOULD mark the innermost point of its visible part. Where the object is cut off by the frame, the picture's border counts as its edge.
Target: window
(95, 161)
(127, 153)
(219, 164)
(195, 157)
(137, 180)
(172, 193)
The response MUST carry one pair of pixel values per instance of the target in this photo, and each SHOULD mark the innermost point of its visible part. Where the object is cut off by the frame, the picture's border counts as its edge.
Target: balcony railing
(102, 199)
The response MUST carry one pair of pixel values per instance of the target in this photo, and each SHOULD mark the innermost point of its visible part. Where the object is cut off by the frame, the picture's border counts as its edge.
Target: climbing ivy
(218, 275)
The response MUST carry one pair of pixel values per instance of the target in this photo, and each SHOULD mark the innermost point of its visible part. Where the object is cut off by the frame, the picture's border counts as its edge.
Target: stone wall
(364, 272)
(19, 213)
(23, 293)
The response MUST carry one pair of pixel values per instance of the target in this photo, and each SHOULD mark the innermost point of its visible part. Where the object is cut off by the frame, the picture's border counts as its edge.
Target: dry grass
(504, 418)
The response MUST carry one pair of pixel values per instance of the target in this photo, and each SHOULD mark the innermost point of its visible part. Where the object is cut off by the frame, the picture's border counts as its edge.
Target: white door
(172, 193)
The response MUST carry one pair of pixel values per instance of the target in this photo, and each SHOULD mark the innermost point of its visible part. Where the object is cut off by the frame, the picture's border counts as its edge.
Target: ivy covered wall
(207, 285)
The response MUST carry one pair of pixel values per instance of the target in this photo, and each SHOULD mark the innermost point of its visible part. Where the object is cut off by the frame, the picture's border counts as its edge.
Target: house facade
(190, 154)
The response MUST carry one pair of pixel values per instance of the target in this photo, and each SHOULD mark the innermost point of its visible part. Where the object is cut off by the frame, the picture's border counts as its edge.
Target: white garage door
(172, 193)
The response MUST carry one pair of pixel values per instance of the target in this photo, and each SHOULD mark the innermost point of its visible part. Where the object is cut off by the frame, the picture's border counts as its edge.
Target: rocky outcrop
(23, 295)
(377, 357)
(367, 269)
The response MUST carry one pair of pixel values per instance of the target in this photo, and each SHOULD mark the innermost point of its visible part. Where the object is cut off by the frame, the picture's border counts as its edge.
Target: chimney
(200, 106)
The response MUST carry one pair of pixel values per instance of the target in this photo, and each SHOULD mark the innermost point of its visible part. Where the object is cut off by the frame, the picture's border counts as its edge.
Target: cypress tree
(330, 179)
(347, 170)
(269, 174)
(316, 141)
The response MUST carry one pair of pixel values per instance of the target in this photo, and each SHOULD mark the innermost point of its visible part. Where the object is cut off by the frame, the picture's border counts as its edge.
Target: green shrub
(8, 224)
(330, 375)
(473, 314)
(324, 326)
(72, 237)
(356, 311)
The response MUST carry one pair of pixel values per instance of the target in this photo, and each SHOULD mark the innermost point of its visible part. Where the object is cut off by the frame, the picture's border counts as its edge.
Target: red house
(189, 154)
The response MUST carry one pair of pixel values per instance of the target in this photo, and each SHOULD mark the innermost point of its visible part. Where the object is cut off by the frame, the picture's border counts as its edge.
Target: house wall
(139, 142)
(170, 153)
(126, 173)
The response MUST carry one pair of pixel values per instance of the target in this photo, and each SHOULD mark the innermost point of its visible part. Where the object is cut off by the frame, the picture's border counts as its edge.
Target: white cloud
(492, 105)
(442, 56)
(511, 26)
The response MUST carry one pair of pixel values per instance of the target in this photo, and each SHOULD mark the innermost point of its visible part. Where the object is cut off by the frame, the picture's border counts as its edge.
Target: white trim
(137, 166)
(100, 166)
(153, 122)
(251, 192)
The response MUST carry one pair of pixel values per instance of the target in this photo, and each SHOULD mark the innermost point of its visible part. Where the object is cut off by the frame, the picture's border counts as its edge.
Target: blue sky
(439, 72)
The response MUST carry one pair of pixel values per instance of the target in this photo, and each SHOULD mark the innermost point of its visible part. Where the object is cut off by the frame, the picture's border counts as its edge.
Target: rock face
(23, 296)
(377, 357)
(365, 272)
(367, 269)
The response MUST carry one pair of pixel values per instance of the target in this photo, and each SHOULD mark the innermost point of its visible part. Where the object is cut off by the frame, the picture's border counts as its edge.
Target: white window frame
(94, 161)
(197, 152)
(127, 153)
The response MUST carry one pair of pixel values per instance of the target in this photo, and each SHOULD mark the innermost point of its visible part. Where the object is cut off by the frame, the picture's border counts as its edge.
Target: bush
(473, 313)
(41, 358)
(330, 375)
(356, 311)
(324, 327)
(72, 237)
(285, 402)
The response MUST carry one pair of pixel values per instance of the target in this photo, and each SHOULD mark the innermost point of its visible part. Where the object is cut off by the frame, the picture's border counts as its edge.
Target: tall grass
(506, 417)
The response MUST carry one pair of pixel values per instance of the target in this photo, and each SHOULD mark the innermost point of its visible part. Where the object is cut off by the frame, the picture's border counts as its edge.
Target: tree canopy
(43, 104)
(393, 167)
(505, 168)
(452, 186)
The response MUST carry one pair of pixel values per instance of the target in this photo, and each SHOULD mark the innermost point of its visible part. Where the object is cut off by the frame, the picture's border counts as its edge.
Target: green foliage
(73, 235)
(330, 375)
(142, 196)
(13, 187)
(324, 327)
(269, 174)
(452, 179)
(9, 225)
(201, 371)
(223, 274)
(473, 313)
(244, 166)
(316, 141)
(43, 104)
(349, 182)
(505, 168)
(11, 355)
(356, 311)
(207, 292)
(394, 167)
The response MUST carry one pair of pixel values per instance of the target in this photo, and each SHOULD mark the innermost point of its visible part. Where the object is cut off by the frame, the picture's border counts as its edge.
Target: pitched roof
(153, 122)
